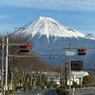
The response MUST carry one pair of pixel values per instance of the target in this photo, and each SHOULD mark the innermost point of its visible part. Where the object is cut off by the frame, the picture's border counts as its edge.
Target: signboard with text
(70, 53)
(77, 65)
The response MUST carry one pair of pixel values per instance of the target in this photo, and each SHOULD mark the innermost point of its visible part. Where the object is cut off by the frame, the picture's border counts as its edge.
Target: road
(38, 92)
(85, 91)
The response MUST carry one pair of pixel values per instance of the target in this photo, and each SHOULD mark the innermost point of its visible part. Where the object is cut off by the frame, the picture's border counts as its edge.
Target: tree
(87, 79)
(43, 79)
(21, 68)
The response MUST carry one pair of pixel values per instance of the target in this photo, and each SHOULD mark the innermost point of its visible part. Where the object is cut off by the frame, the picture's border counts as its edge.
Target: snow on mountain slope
(49, 27)
(90, 36)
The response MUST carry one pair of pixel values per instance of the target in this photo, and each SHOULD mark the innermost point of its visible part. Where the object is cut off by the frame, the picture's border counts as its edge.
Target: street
(38, 92)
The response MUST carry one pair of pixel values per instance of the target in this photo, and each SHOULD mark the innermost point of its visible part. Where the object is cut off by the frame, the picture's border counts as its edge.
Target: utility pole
(66, 63)
(2, 70)
(69, 53)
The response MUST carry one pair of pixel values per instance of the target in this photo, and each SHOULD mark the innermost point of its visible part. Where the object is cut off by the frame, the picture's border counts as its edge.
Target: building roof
(79, 74)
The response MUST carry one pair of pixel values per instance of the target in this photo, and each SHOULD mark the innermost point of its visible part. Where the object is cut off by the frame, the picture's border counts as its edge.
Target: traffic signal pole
(81, 51)
(2, 70)
(6, 69)
(69, 53)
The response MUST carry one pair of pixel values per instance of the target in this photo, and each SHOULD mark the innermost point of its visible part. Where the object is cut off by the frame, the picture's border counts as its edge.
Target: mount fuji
(49, 38)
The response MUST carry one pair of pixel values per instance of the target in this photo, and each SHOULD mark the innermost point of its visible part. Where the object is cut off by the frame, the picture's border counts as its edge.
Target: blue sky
(77, 14)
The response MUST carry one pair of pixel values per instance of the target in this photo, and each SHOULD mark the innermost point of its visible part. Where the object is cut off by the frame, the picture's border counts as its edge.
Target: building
(54, 77)
(77, 76)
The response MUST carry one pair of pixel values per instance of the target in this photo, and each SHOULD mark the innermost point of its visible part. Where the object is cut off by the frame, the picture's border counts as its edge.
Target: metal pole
(70, 71)
(66, 73)
(2, 72)
(6, 70)
(70, 76)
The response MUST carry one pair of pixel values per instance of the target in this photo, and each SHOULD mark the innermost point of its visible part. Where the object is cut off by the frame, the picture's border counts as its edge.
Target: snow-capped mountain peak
(49, 27)
(90, 36)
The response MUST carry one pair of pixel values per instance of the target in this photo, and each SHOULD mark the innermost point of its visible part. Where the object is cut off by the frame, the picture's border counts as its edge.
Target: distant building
(77, 76)
(54, 77)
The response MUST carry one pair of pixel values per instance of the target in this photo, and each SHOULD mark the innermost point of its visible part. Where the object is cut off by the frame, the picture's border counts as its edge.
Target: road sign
(77, 65)
(70, 53)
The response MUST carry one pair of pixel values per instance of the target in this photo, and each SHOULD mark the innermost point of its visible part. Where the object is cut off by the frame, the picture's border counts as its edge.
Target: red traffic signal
(24, 48)
(82, 51)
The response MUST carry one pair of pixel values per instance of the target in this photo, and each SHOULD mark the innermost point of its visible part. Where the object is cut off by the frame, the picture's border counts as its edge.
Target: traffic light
(82, 51)
(24, 48)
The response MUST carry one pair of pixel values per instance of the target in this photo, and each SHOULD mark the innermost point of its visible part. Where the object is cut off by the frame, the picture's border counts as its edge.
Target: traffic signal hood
(24, 48)
(82, 51)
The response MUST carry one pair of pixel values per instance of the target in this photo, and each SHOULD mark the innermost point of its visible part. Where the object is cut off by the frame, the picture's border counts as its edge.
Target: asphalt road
(38, 92)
